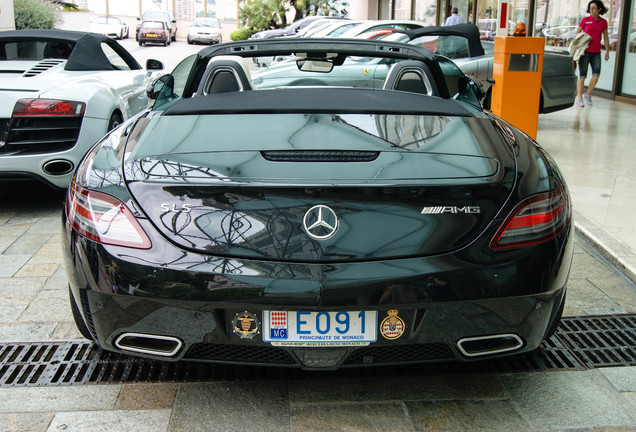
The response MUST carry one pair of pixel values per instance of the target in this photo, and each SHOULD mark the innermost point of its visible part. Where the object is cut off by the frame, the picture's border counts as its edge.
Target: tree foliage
(35, 14)
(240, 34)
(269, 14)
(318, 7)
(263, 14)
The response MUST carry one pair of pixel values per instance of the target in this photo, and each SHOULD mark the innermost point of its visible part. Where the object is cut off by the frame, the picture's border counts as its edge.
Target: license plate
(301, 328)
(151, 34)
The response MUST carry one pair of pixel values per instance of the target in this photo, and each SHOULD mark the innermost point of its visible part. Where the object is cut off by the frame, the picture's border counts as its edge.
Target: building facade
(556, 20)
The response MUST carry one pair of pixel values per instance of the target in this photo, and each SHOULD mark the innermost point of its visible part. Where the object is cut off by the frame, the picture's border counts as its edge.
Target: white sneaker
(579, 103)
(588, 99)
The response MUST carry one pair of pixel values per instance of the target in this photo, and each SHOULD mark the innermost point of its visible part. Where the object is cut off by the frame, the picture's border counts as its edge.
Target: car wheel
(115, 120)
(77, 317)
(189, 41)
(141, 43)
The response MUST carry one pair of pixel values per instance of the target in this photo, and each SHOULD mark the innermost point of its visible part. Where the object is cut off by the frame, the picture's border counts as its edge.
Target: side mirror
(470, 90)
(155, 87)
(478, 88)
(154, 65)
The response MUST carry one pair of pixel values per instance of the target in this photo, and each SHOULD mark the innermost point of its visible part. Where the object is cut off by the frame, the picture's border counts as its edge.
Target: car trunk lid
(321, 188)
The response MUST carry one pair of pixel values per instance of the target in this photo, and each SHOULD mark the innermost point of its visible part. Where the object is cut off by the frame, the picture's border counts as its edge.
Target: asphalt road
(170, 55)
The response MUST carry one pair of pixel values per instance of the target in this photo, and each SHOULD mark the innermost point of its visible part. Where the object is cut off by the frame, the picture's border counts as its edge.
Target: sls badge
(392, 327)
(245, 325)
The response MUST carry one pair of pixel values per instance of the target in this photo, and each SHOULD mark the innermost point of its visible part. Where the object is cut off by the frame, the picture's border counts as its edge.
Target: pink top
(595, 29)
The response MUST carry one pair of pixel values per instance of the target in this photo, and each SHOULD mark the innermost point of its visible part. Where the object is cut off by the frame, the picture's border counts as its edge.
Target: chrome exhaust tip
(58, 167)
(163, 346)
(486, 345)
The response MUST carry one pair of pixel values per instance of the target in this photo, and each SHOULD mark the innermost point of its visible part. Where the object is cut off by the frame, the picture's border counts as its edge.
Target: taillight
(534, 220)
(48, 108)
(103, 218)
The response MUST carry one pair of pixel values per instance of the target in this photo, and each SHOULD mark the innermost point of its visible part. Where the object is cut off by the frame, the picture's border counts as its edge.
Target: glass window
(424, 10)
(629, 70)
(558, 21)
(487, 17)
(402, 9)
(114, 58)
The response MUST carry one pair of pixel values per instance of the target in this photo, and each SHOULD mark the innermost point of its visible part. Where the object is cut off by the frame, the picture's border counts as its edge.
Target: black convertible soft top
(468, 30)
(323, 100)
(86, 55)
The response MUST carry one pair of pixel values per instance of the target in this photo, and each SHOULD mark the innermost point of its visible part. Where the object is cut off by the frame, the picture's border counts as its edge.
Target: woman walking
(596, 27)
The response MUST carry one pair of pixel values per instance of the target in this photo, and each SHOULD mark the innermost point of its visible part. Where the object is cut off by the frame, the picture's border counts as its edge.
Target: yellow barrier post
(516, 91)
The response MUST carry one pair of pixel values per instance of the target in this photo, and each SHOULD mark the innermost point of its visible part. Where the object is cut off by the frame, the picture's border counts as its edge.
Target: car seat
(225, 74)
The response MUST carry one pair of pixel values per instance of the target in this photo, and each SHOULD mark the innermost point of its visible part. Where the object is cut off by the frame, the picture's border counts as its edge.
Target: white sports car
(60, 92)
(110, 26)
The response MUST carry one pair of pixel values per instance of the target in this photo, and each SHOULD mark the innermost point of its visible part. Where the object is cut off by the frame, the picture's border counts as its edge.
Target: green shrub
(241, 34)
(35, 14)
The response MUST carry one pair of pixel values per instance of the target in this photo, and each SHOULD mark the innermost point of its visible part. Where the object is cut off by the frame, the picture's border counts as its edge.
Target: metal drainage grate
(578, 344)
(601, 341)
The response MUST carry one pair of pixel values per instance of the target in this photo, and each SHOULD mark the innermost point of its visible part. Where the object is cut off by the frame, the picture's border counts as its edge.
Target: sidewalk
(595, 148)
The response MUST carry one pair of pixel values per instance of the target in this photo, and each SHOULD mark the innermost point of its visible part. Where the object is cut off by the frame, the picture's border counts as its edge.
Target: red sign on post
(502, 15)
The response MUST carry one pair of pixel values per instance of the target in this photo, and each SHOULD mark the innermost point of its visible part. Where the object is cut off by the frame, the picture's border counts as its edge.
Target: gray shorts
(592, 59)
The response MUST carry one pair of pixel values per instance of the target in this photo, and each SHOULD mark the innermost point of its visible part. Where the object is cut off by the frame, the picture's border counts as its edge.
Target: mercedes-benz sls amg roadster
(317, 226)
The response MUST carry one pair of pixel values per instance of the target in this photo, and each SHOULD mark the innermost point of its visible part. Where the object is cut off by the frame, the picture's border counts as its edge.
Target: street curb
(611, 248)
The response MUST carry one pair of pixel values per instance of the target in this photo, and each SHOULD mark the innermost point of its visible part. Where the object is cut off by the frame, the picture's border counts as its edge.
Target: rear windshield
(152, 24)
(35, 50)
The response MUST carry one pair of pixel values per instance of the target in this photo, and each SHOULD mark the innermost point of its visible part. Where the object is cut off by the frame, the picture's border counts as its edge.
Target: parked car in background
(159, 15)
(462, 44)
(153, 32)
(110, 26)
(375, 25)
(317, 227)
(291, 29)
(62, 91)
(205, 30)
(335, 29)
(316, 25)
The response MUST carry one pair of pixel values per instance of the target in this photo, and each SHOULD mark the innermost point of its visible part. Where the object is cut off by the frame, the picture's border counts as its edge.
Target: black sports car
(317, 227)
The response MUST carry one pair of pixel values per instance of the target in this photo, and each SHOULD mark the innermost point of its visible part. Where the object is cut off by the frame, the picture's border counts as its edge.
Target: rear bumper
(204, 331)
(153, 40)
(205, 38)
(33, 165)
(193, 299)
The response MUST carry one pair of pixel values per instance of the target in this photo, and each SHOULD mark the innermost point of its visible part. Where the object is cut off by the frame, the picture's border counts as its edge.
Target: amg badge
(451, 209)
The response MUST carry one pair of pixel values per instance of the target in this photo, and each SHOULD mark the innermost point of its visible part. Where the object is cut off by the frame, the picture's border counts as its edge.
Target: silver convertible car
(460, 43)
(60, 92)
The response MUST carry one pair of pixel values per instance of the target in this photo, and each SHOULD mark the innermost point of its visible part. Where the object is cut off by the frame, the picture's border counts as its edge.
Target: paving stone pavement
(34, 307)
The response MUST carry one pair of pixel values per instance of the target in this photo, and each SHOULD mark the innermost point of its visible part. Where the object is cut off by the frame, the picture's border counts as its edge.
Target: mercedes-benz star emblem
(320, 222)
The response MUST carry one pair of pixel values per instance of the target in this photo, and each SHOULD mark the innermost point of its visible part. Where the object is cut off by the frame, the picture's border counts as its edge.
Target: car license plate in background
(301, 328)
